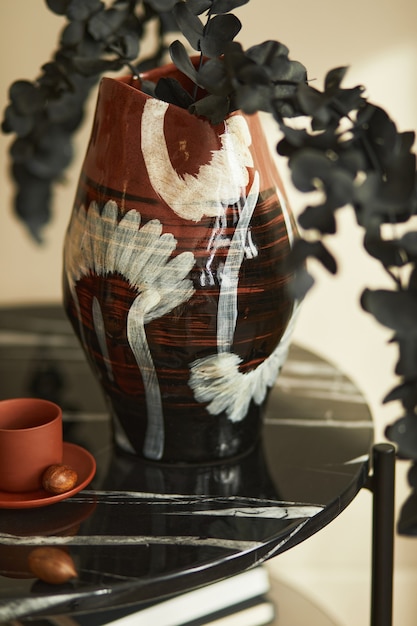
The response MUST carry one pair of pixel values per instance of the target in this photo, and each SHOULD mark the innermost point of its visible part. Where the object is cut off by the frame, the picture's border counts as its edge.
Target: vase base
(121, 451)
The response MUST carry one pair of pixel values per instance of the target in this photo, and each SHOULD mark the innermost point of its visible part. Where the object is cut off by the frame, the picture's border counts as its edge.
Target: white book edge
(257, 615)
(203, 601)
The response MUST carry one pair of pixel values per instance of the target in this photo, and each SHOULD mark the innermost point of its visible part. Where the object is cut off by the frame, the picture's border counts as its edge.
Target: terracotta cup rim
(48, 412)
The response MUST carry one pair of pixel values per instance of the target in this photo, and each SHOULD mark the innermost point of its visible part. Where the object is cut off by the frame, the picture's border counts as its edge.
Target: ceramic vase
(175, 276)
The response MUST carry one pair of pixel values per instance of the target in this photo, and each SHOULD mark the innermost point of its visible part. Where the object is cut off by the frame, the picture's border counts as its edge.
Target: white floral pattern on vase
(216, 379)
(218, 183)
(100, 244)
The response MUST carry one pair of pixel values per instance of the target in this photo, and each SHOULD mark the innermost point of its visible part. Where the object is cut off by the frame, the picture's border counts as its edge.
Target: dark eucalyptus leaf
(250, 98)
(55, 79)
(407, 520)
(367, 190)
(404, 434)
(310, 99)
(199, 6)
(181, 59)
(79, 10)
(67, 111)
(339, 186)
(214, 108)
(283, 92)
(221, 30)
(310, 170)
(162, 6)
(408, 243)
(26, 97)
(300, 138)
(89, 48)
(412, 280)
(129, 45)
(406, 393)
(213, 77)
(412, 476)
(224, 6)
(253, 75)
(32, 201)
(148, 87)
(332, 104)
(394, 309)
(301, 284)
(302, 250)
(308, 166)
(407, 140)
(105, 23)
(406, 365)
(22, 125)
(21, 150)
(326, 258)
(284, 70)
(58, 6)
(389, 252)
(320, 217)
(380, 130)
(350, 158)
(322, 119)
(375, 199)
(190, 25)
(400, 176)
(136, 26)
(347, 100)
(90, 67)
(287, 148)
(264, 53)
(334, 77)
(235, 59)
(170, 90)
(283, 109)
(72, 34)
(53, 154)
(313, 104)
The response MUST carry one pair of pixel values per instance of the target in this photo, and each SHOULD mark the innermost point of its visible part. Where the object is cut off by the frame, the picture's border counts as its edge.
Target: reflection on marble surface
(143, 530)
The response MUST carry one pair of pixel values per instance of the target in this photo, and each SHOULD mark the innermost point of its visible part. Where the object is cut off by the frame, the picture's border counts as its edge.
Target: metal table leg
(382, 485)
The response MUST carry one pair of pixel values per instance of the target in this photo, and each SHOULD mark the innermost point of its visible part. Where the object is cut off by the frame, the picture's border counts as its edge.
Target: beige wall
(377, 39)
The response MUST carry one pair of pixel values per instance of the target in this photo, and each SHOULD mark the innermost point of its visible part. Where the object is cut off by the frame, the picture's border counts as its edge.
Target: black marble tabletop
(142, 531)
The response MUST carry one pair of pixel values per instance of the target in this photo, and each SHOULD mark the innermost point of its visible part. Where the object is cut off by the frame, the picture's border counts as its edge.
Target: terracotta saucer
(80, 459)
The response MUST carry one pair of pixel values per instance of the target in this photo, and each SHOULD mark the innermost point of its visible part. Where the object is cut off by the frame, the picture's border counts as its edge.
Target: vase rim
(133, 83)
(153, 75)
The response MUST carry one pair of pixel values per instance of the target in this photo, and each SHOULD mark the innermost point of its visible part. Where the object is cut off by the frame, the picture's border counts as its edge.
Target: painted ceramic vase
(175, 276)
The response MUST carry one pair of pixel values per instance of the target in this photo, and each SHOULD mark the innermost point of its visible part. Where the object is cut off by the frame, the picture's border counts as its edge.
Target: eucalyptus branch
(45, 113)
(201, 59)
(395, 279)
(124, 61)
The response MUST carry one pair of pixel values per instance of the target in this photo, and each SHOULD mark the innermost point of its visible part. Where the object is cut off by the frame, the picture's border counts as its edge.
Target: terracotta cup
(30, 441)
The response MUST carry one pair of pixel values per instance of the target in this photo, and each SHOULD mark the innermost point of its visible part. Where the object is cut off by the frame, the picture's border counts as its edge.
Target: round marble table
(144, 531)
